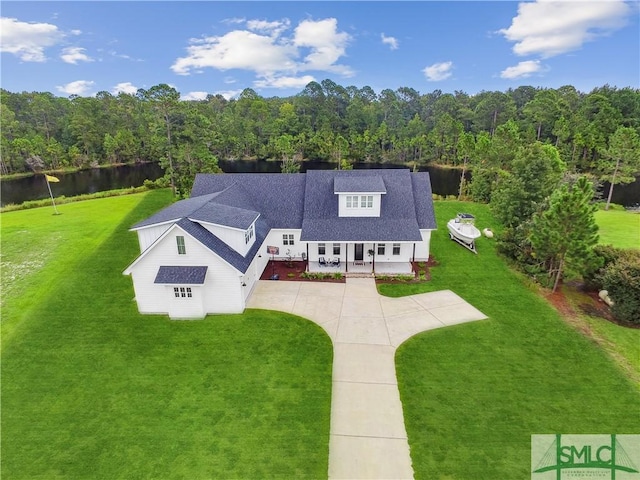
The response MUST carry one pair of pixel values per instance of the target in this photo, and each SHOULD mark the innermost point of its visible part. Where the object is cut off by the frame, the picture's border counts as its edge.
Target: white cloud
(194, 96)
(237, 49)
(522, 70)
(326, 43)
(264, 49)
(125, 87)
(76, 32)
(271, 28)
(228, 94)
(438, 71)
(549, 28)
(28, 41)
(79, 87)
(284, 82)
(391, 41)
(229, 79)
(74, 55)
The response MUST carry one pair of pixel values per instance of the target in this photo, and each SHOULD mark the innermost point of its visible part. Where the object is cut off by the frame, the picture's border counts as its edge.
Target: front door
(358, 253)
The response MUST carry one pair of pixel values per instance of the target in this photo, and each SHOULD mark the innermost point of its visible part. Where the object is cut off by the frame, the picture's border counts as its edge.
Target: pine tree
(565, 234)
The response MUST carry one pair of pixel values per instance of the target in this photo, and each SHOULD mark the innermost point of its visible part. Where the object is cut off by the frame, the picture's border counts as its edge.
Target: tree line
(325, 121)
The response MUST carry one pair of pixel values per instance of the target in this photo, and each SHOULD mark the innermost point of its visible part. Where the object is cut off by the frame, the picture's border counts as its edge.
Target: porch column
(414, 252)
(346, 258)
(307, 266)
(373, 267)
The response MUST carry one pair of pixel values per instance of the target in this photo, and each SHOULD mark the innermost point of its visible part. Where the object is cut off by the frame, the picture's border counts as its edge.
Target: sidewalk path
(368, 439)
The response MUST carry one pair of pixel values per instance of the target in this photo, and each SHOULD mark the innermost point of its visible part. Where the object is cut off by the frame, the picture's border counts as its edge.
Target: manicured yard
(473, 394)
(92, 389)
(620, 228)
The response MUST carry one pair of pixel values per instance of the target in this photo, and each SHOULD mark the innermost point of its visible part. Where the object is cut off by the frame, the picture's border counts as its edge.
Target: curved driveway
(367, 437)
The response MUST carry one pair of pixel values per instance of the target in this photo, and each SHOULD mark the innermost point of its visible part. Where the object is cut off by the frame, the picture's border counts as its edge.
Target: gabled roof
(305, 201)
(176, 211)
(345, 183)
(404, 202)
(216, 245)
(219, 214)
(181, 275)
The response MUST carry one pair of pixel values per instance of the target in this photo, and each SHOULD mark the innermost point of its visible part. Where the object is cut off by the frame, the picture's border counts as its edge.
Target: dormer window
(248, 235)
(359, 196)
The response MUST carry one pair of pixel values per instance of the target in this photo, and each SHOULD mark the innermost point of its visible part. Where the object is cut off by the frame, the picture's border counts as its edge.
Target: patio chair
(322, 262)
(336, 262)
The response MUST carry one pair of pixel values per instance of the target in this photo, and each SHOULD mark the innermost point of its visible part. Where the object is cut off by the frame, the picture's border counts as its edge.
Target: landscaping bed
(296, 271)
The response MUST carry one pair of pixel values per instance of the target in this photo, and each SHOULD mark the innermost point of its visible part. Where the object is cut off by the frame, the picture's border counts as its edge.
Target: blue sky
(276, 48)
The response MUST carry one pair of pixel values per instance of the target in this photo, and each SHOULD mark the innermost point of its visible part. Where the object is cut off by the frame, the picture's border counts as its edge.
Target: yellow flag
(51, 179)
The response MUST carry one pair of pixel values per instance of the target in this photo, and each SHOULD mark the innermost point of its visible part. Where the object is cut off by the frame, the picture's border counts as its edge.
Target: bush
(621, 279)
(604, 255)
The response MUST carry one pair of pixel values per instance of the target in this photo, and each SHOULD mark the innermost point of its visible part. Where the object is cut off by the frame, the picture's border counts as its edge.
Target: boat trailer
(469, 246)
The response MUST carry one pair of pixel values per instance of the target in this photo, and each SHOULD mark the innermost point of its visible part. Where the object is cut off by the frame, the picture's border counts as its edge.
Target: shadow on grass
(92, 389)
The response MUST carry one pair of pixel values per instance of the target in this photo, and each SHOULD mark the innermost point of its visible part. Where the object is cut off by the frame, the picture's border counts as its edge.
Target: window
(181, 248)
(287, 239)
(336, 249)
(369, 201)
(396, 249)
(321, 249)
(381, 248)
(352, 201)
(182, 292)
(248, 235)
(366, 201)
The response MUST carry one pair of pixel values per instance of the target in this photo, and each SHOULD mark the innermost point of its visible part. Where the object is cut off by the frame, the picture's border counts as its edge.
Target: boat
(462, 230)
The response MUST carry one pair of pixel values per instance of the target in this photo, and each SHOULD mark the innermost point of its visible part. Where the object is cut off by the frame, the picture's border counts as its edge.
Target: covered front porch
(360, 258)
(381, 268)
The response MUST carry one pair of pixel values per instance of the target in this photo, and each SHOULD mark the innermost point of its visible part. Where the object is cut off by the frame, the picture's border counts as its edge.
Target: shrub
(291, 275)
(621, 279)
(604, 255)
(337, 276)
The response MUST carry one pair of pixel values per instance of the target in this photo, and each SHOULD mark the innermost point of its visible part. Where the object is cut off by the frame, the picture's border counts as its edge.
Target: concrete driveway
(368, 439)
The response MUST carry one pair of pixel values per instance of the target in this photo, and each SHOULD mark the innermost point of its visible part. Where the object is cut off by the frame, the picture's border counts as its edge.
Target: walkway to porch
(382, 268)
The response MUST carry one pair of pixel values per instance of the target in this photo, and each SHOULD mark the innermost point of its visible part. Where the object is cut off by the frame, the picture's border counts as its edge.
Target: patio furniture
(336, 262)
(322, 261)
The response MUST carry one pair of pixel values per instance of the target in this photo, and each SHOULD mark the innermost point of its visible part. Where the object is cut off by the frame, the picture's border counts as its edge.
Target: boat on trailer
(462, 230)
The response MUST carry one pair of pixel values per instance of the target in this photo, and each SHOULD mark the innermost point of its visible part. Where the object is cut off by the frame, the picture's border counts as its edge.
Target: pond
(444, 181)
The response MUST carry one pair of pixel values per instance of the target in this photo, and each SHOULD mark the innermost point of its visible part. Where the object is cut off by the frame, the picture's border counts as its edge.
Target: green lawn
(620, 228)
(473, 394)
(92, 389)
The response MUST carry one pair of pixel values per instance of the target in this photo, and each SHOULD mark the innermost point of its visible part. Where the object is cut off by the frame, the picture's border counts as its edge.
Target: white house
(203, 255)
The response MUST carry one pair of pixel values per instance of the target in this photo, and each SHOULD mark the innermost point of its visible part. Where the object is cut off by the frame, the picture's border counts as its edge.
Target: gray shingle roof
(398, 215)
(363, 183)
(216, 245)
(181, 275)
(302, 201)
(279, 197)
(214, 212)
(176, 211)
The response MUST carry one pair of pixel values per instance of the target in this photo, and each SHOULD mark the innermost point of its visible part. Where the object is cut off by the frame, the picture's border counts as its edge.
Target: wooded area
(323, 122)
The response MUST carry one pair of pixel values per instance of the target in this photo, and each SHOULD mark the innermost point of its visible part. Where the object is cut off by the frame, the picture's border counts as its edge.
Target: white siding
(148, 235)
(406, 252)
(423, 248)
(254, 271)
(231, 236)
(343, 211)
(274, 239)
(220, 293)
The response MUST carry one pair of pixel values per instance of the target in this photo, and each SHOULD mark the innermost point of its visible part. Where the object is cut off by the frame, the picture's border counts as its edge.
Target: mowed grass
(620, 228)
(92, 389)
(473, 394)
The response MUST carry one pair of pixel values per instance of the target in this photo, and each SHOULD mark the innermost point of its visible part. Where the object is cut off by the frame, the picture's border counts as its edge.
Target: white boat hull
(464, 232)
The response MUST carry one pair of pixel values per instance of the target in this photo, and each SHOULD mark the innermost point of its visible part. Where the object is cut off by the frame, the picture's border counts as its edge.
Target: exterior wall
(343, 211)
(220, 293)
(274, 239)
(406, 253)
(231, 236)
(253, 273)
(423, 248)
(148, 235)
